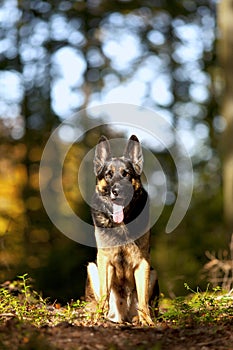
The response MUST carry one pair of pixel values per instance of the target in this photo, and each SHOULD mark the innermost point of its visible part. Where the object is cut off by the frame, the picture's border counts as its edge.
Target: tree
(157, 54)
(225, 13)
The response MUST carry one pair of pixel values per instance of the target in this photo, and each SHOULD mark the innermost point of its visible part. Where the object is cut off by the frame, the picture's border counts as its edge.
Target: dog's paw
(145, 320)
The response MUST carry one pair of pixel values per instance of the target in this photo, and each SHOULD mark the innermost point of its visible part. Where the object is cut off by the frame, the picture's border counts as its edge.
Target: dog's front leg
(142, 278)
(105, 278)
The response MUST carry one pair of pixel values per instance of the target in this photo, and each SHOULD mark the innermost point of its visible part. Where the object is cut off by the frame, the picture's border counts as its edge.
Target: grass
(19, 301)
(199, 308)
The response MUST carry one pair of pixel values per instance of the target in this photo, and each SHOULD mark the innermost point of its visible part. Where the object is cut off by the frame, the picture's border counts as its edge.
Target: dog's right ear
(102, 154)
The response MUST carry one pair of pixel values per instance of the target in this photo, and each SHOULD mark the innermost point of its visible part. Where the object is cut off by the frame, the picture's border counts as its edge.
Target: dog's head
(118, 178)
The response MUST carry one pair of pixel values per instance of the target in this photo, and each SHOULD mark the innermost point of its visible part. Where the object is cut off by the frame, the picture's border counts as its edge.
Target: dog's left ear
(133, 151)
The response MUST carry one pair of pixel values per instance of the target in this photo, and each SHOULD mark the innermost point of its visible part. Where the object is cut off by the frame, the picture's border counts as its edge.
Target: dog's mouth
(118, 213)
(120, 198)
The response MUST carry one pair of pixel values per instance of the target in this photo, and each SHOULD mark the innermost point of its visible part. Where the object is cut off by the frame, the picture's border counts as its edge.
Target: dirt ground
(16, 336)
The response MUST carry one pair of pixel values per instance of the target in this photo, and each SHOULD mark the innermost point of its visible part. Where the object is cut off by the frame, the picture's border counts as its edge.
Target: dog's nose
(115, 190)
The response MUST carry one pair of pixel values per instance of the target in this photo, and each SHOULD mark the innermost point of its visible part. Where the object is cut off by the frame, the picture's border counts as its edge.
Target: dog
(122, 282)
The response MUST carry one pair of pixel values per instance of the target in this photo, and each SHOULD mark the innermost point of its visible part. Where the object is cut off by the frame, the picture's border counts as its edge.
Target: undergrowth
(20, 302)
(199, 308)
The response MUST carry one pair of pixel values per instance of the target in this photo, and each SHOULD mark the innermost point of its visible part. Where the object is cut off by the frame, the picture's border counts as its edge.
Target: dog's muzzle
(121, 195)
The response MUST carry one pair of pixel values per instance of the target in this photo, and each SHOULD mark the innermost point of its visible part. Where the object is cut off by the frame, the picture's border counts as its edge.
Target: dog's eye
(109, 174)
(125, 173)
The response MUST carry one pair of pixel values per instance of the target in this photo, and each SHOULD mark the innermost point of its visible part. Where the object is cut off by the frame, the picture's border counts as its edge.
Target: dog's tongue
(118, 214)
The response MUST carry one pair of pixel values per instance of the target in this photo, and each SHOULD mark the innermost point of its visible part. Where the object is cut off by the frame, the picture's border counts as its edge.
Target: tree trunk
(225, 22)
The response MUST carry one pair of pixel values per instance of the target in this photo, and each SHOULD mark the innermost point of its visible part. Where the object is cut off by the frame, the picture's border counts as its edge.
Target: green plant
(200, 308)
(20, 302)
(17, 300)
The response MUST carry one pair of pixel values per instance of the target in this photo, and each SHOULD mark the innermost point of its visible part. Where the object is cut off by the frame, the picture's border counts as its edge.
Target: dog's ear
(133, 151)
(102, 154)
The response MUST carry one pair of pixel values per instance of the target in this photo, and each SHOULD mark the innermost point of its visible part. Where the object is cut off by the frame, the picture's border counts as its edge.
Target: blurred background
(57, 57)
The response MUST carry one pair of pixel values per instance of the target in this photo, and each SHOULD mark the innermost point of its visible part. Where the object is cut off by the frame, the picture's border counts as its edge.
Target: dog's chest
(124, 259)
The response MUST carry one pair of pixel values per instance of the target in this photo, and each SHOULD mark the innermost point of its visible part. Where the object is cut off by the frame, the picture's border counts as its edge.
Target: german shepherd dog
(122, 281)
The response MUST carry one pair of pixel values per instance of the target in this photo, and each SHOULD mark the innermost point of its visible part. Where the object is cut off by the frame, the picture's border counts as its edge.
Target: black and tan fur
(122, 281)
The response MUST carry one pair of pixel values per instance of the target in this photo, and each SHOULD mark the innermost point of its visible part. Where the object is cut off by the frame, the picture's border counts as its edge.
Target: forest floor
(15, 336)
(27, 322)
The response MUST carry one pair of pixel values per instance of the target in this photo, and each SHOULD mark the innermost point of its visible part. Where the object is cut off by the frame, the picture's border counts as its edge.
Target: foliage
(19, 301)
(170, 67)
(200, 308)
(219, 270)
